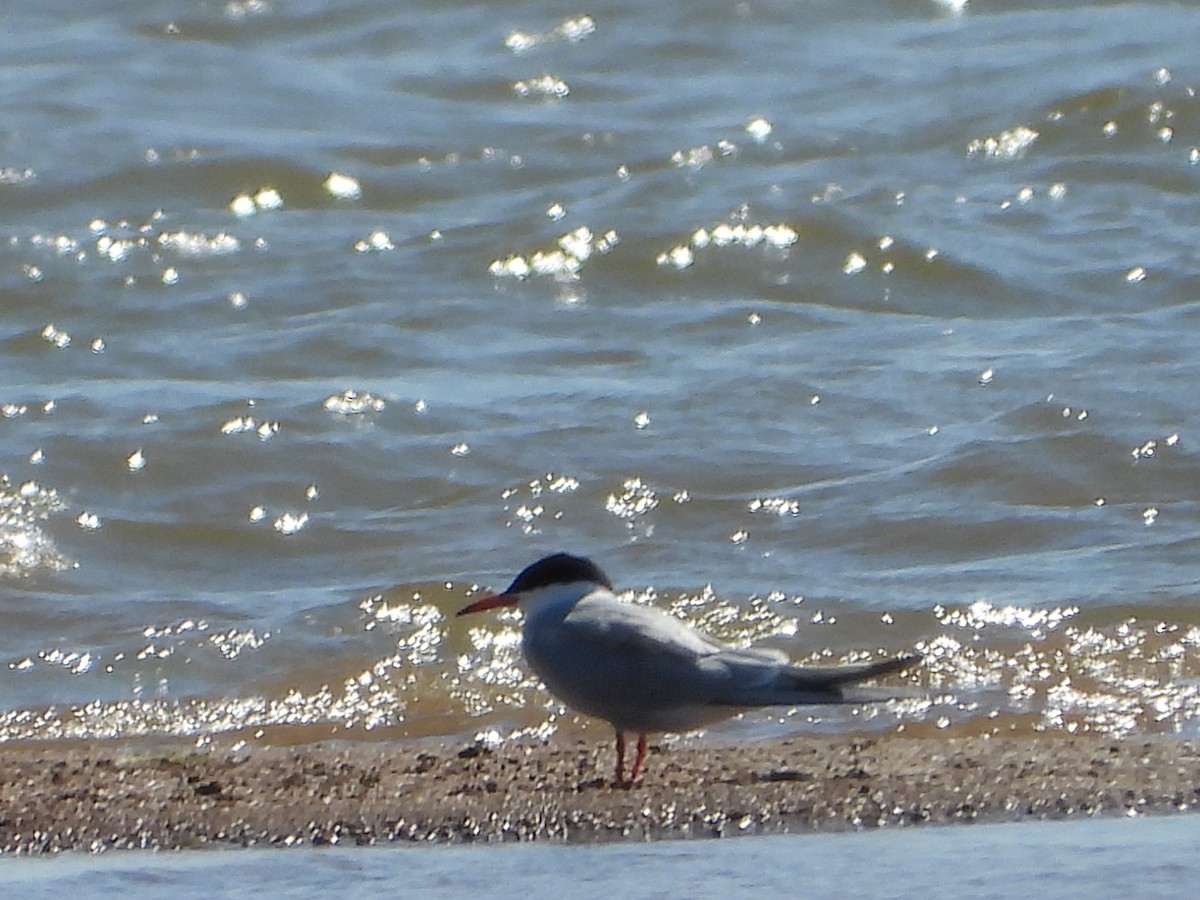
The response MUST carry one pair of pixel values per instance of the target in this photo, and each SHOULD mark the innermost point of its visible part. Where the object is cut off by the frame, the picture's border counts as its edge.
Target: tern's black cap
(561, 568)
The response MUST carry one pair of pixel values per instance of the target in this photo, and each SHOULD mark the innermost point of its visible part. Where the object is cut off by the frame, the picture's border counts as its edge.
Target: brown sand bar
(108, 796)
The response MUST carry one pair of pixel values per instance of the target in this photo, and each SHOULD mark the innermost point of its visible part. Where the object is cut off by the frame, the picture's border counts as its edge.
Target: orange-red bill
(491, 601)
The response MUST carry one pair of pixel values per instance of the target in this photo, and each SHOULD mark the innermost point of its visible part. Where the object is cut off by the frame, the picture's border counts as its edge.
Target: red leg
(639, 758)
(620, 757)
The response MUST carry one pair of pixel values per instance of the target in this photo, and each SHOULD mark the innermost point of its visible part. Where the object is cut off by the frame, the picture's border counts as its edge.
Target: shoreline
(109, 796)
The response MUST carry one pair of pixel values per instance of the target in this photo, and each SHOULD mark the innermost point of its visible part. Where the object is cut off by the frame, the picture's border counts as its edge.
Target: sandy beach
(110, 796)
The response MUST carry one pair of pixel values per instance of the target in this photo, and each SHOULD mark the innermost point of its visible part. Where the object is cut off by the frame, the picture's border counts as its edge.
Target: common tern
(643, 670)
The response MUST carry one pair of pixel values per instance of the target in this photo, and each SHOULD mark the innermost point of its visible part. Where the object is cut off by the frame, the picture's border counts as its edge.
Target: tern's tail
(836, 676)
(839, 684)
(803, 685)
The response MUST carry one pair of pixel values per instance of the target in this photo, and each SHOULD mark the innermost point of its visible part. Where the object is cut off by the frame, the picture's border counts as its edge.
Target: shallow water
(1104, 858)
(847, 328)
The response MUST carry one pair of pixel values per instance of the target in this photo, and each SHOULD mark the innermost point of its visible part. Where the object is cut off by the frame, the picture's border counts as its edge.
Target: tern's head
(557, 575)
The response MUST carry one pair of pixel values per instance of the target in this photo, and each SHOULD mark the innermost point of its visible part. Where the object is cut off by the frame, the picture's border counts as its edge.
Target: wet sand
(109, 796)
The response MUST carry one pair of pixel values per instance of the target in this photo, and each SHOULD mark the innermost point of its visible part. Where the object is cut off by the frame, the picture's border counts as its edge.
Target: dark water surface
(846, 327)
(1049, 860)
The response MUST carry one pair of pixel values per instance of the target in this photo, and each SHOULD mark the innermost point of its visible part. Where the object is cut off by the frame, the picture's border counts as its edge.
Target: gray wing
(607, 655)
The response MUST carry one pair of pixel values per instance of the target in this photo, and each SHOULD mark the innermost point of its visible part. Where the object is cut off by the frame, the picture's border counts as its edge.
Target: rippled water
(844, 327)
